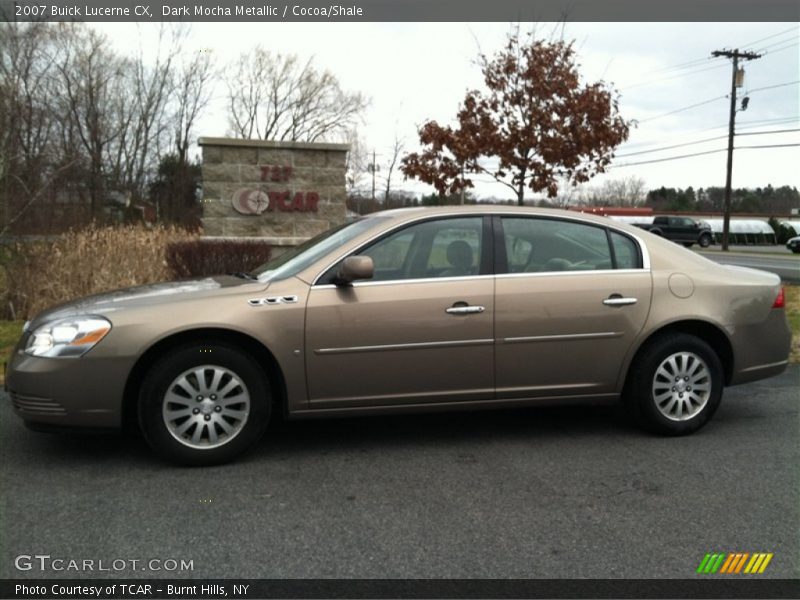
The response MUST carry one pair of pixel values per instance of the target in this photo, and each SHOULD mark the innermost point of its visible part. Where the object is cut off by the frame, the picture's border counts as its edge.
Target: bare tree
(279, 97)
(566, 192)
(91, 99)
(70, 106)
(398, 147)
(193, 91)
(629, 192)
(26, 125)
(356, 163)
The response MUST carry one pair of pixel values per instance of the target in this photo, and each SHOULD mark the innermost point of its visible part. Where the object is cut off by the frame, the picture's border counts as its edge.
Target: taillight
(780, 301)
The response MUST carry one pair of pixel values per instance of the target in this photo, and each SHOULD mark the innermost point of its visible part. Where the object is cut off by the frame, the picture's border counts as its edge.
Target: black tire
(796, 250)
(704, 241)
(225, 358)
(688, 244)
(639, 397)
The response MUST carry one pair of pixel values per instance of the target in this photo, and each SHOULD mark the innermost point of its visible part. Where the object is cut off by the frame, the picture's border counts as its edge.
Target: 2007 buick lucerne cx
(408, 310)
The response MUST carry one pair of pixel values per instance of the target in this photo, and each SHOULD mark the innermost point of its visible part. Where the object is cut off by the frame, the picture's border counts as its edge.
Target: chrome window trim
(572, 273)
(368, 283)
(610, 225)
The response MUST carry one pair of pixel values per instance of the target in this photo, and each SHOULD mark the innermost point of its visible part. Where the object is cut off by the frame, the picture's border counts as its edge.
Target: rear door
(570, 299)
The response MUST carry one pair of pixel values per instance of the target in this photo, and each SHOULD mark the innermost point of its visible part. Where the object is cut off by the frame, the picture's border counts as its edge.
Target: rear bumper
(761, 350)
(84, 392)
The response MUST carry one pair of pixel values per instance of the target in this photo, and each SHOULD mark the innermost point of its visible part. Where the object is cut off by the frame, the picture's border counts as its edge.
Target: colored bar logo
(734, 563)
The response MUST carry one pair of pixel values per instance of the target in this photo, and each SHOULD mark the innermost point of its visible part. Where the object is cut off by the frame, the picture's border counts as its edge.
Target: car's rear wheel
(675, 385)
(688, 244)
(204, 404)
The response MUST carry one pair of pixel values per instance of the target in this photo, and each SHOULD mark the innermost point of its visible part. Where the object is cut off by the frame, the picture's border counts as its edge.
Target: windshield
(300, 257)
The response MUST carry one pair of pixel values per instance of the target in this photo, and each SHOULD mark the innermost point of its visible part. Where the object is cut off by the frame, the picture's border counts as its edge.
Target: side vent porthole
(272, 300)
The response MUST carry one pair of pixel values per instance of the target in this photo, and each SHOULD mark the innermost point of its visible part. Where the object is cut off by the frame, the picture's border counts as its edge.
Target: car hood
(147, 295)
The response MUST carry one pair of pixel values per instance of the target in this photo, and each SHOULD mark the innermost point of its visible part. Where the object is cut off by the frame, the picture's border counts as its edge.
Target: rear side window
(539, 245)
(535, 245)
(626, 251)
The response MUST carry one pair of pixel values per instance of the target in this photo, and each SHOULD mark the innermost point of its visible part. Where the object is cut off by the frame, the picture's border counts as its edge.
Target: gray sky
(419, 71)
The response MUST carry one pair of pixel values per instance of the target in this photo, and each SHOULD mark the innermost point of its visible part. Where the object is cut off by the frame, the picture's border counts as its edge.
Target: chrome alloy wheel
(681, 386)
(206, 407)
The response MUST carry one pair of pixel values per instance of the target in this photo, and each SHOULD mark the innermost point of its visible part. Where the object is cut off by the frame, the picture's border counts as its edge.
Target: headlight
(67, 337)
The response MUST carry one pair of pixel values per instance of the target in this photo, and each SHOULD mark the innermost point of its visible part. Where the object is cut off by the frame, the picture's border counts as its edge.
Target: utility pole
(735, 55)
(372, 168)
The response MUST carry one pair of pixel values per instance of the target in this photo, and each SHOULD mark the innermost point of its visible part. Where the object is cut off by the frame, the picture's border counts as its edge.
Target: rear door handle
(617, 300)
(465, 310)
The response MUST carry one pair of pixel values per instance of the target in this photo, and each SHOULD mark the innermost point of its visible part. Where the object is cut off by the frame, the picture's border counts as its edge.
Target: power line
(771, 123)
(768, 132)
(677, 110)
(683, 65)
(772, 87)
(681, 156)
(671, 147)
(767, 146)
(777, 43)
(678, 76)
(770, 52)
(691, 65)
(706, 140)
(769, 37)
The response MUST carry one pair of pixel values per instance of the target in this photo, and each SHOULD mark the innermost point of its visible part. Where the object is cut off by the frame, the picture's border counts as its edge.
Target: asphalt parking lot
(557, 492)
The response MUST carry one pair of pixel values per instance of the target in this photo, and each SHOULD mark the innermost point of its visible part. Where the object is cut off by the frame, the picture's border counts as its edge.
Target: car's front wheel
(705, 240)
(675, 385)
(204, 404)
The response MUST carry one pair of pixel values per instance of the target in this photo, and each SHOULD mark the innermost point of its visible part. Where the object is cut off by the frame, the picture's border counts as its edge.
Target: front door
(421, 331)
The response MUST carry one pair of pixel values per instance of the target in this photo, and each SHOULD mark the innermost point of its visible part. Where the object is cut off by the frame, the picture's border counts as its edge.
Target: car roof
(471, 209)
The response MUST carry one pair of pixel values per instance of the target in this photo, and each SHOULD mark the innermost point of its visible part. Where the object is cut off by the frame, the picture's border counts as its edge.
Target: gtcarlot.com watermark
(46, 562)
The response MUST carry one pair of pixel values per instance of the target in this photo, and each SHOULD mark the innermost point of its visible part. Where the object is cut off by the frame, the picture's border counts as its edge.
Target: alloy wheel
(206, 406)
(681, 386)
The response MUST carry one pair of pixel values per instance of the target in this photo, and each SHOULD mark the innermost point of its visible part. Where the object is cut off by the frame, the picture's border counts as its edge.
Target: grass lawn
(793, 313)
(10, 331)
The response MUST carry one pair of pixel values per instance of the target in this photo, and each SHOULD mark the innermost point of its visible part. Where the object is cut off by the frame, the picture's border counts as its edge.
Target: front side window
(303, 256)
(433, 249)
(539, 245)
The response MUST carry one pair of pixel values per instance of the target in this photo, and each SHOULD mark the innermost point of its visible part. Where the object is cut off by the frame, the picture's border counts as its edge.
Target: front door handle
(617, 300)
(464, 310)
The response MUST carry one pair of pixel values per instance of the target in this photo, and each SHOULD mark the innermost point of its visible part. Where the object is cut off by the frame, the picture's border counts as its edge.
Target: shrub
(782, 232)
(199, 258)
(83, 262)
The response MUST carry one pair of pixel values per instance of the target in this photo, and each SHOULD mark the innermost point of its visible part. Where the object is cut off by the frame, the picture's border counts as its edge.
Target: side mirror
(355, 268)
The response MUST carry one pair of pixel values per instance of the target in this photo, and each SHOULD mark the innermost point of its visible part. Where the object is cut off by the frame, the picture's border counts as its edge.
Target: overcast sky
(418, 71)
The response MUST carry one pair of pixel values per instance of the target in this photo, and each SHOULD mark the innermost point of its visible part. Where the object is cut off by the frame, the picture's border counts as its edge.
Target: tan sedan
(408, 310)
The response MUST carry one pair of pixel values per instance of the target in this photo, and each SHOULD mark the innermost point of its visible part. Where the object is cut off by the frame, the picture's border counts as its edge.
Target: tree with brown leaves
(536, 121)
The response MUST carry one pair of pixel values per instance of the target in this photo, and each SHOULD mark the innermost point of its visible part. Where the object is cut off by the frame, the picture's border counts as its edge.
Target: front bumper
(68, 392)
